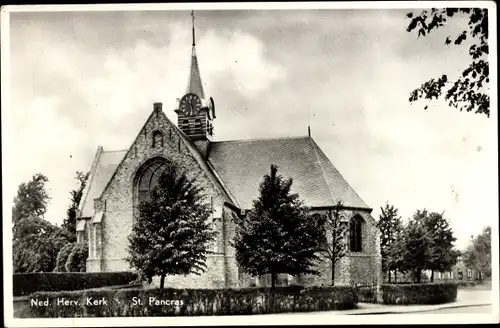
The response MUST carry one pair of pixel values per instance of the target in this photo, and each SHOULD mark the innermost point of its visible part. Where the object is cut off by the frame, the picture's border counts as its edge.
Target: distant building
(459, 272)
(230, 173)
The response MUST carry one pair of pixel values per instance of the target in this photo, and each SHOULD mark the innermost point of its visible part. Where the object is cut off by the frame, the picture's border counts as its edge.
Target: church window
(355, 234)
(157, 139)
(148, 179)
(185, 124)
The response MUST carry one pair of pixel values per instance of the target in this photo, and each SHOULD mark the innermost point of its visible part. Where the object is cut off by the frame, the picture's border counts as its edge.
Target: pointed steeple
(194, 82)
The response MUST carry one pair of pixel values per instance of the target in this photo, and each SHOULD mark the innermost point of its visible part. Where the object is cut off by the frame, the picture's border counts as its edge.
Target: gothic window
(355, 234)
(157, 139)
(148, 179)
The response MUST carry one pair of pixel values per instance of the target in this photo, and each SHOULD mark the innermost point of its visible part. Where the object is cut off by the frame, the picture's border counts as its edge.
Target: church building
(229, 173)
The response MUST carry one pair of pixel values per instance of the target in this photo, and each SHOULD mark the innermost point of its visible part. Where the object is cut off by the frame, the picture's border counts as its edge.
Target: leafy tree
(469, 91)
(416, 245)
(334, 242)
(69, 222)
(172, 234)
(31, 199)
(478, 255)
(278, 235)
(390, 227)
(62, 257)
(77, 259)
(441, 255)
(36, 245)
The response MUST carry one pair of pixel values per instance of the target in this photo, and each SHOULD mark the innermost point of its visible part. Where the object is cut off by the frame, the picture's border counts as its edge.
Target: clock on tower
(190, 104)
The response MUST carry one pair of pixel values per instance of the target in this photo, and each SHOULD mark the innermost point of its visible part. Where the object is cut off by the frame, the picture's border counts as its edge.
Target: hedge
(194, 302)
(367, 294)
(28, 283)
(467, 284)
(424, 293)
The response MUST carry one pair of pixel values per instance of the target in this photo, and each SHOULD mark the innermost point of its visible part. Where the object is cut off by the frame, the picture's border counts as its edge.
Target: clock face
(190, 104)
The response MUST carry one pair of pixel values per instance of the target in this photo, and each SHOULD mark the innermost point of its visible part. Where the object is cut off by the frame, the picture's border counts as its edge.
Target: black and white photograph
(250, 163)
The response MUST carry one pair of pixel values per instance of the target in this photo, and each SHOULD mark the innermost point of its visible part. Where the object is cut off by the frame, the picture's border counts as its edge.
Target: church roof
(105, 165)
(242, 164)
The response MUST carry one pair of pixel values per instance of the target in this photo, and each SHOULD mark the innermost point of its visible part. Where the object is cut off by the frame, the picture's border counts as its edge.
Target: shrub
(367, 294)
(28, 283)
(428, 293)
(193, 302)
(77, 259)
(62, 257)
(467, 284)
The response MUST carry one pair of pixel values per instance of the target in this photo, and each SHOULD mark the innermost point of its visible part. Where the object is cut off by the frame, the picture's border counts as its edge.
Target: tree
(77, 259)
(441, 255)
(478, 254)
(278, 235)
(36, 245)
(31, 199)
(416, 245)
(469, 91)
(172, 234)
(62, 257)
(390, 227)
(69, 222)
(334, 244)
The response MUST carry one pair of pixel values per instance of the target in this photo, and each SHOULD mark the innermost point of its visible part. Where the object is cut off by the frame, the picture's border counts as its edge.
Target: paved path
(466, 298)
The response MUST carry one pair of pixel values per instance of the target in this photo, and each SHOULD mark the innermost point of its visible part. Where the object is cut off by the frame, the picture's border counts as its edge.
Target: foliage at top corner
(470, 91)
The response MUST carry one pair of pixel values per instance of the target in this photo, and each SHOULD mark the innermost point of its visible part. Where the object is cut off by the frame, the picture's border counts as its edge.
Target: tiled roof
(242, 164)
(105, 167)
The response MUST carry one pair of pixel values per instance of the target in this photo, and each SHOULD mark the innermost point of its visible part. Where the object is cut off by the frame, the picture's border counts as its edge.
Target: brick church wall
(120, 204)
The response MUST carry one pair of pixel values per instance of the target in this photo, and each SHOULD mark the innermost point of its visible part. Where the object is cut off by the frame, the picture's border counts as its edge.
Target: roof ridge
(263, 139)
(321, 169)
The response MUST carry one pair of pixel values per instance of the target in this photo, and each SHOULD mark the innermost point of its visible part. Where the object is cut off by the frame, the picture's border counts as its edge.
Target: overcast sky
(83, 79)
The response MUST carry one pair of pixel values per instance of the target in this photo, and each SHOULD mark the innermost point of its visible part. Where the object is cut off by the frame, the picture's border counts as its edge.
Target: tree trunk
(162, 281)
(333, 273)
(274, 277)
(418, 275)
(389, 276)
(395, 275)
(432, 275)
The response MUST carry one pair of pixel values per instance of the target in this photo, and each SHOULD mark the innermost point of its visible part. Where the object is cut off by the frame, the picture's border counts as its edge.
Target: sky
(82, 79)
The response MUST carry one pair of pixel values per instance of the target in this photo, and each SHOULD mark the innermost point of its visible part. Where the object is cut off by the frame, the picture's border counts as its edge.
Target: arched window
(185, 124)
(157, 139)
(355, 234)
(148, 178)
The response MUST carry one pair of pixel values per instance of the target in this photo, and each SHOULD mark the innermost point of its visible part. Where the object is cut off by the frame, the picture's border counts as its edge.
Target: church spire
(194, 82)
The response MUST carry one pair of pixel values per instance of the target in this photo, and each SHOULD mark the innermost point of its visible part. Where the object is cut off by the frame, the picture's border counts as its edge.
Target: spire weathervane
(192, 19)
